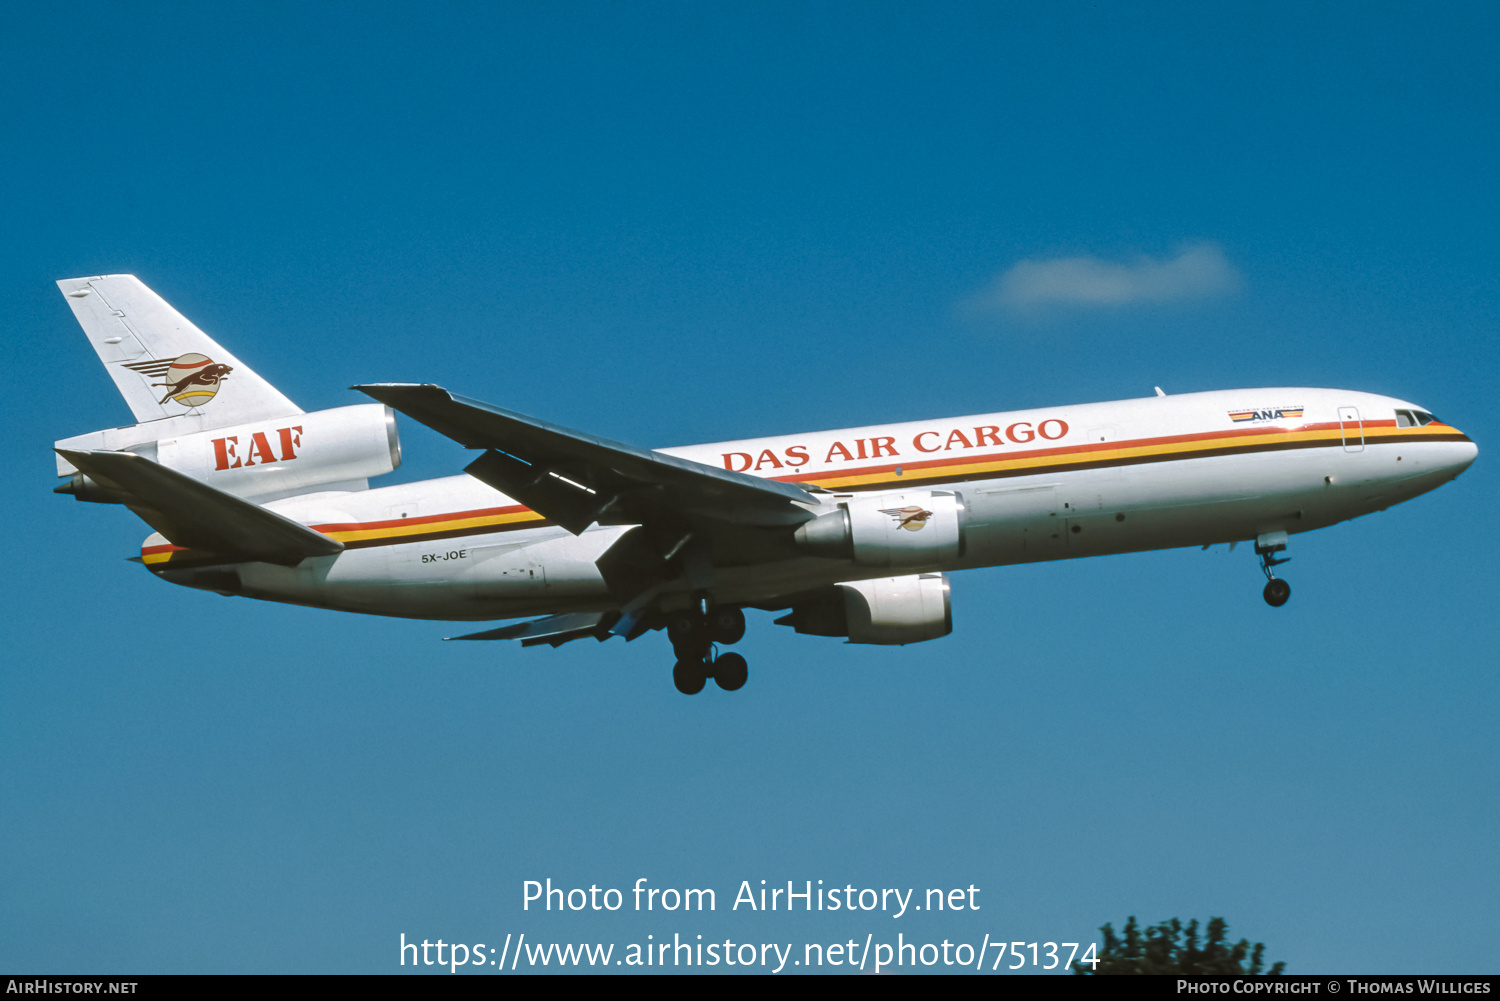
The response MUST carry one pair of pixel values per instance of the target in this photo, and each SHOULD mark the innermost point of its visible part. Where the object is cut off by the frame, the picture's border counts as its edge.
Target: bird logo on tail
(191, 379)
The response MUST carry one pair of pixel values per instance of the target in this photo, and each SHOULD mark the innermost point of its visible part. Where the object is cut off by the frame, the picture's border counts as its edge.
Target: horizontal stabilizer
(575, 478)
(197, 516)
(554, 630)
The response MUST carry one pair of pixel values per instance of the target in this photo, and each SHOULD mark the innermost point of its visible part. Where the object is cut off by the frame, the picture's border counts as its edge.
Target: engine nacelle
(891, 611)
(920, 528)
(277, 457)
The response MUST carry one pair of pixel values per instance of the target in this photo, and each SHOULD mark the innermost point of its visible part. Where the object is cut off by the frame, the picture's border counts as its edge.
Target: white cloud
(1197, 271)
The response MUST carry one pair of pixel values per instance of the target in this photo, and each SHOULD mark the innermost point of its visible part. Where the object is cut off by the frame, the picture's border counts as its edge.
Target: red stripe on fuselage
(932, 467)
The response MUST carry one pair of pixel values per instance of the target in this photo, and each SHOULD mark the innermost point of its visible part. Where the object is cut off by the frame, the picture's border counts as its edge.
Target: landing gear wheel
(1277, 592)
(689, 676)
(731, 672)
(726, 624)
(685, 628)
(688, 631)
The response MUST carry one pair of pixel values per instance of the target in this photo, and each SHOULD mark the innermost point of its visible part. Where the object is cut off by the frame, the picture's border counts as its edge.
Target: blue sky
(670, 223)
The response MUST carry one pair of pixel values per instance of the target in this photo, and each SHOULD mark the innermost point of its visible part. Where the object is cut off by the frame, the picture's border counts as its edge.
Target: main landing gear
(694, 634)
(1277, 591)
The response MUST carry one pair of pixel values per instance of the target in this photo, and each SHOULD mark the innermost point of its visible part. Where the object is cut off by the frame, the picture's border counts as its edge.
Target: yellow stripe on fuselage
(459, 523)
(1202, 444)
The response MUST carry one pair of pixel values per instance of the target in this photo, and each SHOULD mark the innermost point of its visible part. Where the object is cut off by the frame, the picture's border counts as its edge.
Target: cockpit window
(1413, 418)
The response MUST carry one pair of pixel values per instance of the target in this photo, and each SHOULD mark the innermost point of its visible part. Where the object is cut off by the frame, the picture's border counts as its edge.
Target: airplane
(850, 533)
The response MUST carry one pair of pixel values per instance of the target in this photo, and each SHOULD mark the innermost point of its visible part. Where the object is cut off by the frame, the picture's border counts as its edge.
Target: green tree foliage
(1171, 948)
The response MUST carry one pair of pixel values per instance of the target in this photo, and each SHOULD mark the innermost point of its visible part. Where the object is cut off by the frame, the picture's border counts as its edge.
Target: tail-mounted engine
(921, 528)
(888, 611)
(262, 460)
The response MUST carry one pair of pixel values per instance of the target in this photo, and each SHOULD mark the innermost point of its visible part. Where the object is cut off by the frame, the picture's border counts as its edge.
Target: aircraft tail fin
(161, 363)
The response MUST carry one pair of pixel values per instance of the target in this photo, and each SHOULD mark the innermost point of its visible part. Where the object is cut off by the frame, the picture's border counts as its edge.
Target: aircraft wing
(576, 479)
(193, 514)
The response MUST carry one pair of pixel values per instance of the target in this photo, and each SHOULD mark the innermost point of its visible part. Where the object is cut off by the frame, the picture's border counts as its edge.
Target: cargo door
(1023, 521)
(504, 571)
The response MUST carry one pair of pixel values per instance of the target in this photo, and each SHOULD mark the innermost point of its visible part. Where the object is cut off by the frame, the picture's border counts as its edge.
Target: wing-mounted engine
(262, 460)
(890, 611)
(918, 528)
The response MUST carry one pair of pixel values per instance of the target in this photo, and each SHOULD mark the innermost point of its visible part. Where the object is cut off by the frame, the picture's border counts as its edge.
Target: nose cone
(1458, 453)
(1467, 453)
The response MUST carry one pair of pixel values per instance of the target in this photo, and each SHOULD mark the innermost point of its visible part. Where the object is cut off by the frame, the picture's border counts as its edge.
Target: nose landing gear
(1277, 591)
(693, 634)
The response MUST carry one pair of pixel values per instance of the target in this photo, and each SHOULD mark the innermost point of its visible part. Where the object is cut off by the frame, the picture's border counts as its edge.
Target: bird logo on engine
(911, 517)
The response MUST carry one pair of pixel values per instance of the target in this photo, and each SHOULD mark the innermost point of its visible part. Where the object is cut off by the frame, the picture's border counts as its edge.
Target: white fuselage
(1045, 484)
